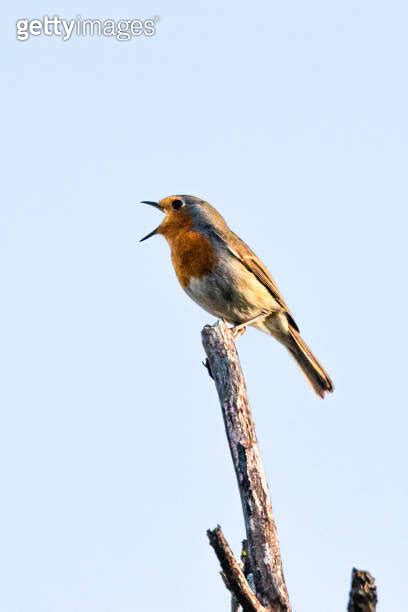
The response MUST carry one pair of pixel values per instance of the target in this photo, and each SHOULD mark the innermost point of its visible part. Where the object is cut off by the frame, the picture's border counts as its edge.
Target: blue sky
(292, 120)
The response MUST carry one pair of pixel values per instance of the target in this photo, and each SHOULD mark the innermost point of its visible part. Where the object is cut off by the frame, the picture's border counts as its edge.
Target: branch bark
(263, 546)
(363, 593)
(233, 574)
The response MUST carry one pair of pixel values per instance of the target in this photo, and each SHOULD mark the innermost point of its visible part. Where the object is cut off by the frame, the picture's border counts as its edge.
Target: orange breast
(192, 255)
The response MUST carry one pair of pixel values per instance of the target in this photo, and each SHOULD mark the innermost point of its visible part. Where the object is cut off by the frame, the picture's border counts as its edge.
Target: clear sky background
(291, 118)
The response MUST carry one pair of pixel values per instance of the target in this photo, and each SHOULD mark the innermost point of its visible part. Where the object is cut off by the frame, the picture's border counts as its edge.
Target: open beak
(156, 205)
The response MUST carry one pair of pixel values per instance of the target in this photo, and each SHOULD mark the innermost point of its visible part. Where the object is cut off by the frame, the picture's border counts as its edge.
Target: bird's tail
(316, 375)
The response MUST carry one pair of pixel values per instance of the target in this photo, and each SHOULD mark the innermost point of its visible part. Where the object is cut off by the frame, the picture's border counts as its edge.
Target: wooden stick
(263, 546)
(363, 593)
(233, 574)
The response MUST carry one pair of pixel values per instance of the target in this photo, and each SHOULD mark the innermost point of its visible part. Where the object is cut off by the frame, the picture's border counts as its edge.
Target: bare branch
(235, 607)
(263, 546)
(233, 574)
(363, 593)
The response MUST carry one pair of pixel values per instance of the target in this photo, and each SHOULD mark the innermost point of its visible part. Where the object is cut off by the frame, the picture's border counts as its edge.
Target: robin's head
(183, 213)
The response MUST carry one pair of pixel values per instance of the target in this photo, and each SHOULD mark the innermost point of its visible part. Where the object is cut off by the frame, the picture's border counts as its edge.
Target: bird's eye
(176, 204)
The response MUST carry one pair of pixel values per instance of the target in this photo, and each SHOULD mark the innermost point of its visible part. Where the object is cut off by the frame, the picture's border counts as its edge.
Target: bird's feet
(238, 330)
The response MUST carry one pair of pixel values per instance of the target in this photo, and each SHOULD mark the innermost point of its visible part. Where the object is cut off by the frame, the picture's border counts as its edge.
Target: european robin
(221, 273)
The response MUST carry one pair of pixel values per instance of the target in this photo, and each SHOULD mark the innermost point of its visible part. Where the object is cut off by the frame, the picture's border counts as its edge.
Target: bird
(225, 277)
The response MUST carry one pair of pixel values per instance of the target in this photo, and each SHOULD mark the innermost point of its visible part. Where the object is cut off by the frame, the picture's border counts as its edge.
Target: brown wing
(247, 257)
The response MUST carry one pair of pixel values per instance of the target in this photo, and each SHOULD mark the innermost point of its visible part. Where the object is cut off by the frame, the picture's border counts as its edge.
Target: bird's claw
(238, 331)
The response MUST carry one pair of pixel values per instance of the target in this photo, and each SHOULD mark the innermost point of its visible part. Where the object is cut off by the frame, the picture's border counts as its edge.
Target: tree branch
(363, 593)
(263, 546)
(233, 574)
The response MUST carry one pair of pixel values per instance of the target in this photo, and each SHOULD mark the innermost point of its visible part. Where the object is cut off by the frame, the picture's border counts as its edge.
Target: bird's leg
(240, 329)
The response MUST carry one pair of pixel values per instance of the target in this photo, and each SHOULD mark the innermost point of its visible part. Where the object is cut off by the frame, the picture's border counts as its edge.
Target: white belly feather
(233, 293)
